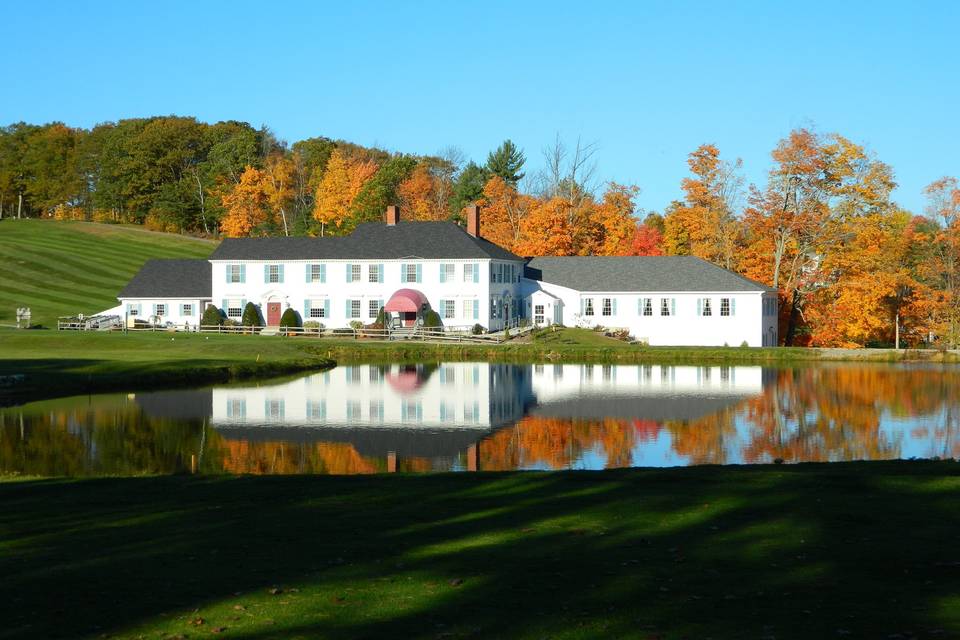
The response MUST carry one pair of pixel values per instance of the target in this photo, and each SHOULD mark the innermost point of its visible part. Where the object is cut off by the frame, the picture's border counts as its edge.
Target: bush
(312, 326)
(290, 319)
(344, 331)
(251, 316)
(381, 321)
(477, 329)
(356, 325)
(744, 344)
(431, 320)
(212, 316)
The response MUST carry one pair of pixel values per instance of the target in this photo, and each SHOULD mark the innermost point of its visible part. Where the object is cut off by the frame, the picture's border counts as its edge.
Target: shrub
(290, 319)
(356, 325)
(431, 319)
(212, 316)
(477, 329)
(312, 326)
(343, 331)
(251, 316)
(744, 344)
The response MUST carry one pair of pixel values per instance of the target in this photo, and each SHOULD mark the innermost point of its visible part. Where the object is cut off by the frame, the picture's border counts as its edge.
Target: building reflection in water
(482, 416)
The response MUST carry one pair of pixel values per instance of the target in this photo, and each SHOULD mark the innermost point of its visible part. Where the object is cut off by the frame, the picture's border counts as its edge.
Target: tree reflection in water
(531, 422)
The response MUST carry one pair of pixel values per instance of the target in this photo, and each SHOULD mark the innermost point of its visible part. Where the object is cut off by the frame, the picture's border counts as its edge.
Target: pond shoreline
(40, 364)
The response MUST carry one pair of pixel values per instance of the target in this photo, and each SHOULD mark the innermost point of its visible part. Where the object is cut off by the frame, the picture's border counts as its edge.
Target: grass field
(64, 268)
(863, 550)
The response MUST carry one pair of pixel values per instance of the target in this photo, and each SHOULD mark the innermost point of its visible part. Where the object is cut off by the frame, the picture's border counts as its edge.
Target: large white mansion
(409, 267)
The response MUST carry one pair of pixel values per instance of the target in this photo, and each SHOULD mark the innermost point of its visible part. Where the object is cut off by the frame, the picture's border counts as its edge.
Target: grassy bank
(809, 551)
(65, 268)
(61, 363)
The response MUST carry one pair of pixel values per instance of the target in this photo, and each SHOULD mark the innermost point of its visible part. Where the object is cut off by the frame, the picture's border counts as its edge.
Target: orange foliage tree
(340, 185)
(244, 205)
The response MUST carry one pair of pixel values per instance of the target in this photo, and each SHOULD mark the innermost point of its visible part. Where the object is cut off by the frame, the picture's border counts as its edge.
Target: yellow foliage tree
(244, 205)
(340, 185)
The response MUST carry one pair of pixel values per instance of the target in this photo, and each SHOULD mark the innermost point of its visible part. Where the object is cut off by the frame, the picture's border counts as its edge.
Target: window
(353, 410)
(665, 307)
(588, 307)
(352, 375)
(448, 375)
(648, 306)
(273, 409)
(237, 408)
(354, 275)
(471, 413)
(316, 272)
(234, 309)
(448, 272)
(448, 309)
(373, 274)
(376, 374)
(160, 310)
(375, 307)
(133, 309)
(186, 310)
(376, 411)
(607, 307)
(471, 309)
(468, 273)
(411, 273)
(317, 309)
(724, 306)
(354, 308)
(316, 409)
(538, 314)
(234, 273)
(411, 411)
(707, 309)
(273, 272)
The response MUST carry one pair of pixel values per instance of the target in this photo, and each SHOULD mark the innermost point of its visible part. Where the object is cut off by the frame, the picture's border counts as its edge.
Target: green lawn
(864, 550)
(65, 268)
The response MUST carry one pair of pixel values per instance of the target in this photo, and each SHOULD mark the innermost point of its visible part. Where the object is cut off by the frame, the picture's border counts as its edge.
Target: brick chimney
(393, 215)
(473, 220)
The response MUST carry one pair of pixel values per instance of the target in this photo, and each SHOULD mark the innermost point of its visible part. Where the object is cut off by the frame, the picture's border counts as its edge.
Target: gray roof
(171, 279)
(369, 241)
(637, 273)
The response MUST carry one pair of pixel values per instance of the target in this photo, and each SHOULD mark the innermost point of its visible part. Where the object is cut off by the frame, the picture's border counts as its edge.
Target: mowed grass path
(64, 268)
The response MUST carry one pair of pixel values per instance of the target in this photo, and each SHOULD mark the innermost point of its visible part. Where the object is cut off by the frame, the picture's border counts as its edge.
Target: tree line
(852, 267)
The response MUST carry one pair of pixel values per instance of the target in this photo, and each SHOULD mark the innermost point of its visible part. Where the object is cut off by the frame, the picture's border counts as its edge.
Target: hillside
(65, 268)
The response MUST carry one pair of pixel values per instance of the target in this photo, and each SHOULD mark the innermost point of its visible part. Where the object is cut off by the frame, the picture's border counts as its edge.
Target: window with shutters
(448, 272)
(468, 273)
(665, 306)
(607, 307)
(273, 409)
(234, 309)
(316, 273)
(468, 308)
(448, 308)
(374, 308)
(161, 310)
(354, 308)
(186, 310)
(317, 309)
(706, 308)
(374, 273)
(724, 306)
(376, 411)
(234, 273)
(133, 309)
(273, 273)
(588, 307)
(648, 306)
(411, 273)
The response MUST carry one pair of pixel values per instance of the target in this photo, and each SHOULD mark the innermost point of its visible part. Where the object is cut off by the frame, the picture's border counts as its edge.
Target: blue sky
(646, 81)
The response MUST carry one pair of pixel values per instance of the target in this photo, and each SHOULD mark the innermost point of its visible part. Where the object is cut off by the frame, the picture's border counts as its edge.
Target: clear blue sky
(647, 81)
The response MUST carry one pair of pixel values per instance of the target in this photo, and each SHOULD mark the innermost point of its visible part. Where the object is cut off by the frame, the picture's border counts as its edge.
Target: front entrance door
(273, 314)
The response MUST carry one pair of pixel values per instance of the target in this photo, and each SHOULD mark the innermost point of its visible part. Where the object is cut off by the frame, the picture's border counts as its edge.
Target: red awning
(405, 300)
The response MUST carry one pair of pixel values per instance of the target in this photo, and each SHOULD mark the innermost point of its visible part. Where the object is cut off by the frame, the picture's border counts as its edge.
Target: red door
(273, 314)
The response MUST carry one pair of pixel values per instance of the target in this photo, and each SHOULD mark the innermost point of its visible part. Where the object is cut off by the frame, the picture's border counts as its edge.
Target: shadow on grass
(812, 551)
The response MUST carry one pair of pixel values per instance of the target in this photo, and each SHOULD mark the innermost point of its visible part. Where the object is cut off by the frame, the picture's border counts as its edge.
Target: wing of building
(407, 268)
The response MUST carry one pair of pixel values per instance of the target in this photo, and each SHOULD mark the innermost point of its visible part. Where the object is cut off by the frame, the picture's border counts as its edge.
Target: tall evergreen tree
(506, 162)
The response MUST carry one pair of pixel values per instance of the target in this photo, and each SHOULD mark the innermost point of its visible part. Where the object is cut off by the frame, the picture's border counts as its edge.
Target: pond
(483, 416)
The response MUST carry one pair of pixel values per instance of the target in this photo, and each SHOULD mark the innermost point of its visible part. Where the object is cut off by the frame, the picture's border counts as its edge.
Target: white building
(409, 267)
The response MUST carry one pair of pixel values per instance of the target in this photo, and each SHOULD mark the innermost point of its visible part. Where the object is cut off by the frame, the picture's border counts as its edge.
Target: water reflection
(468, 416)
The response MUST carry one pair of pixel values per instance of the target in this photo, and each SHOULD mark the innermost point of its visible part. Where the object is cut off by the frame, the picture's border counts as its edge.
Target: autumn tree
(504, 210)
(278, 186)
(943, 271)
(341, 183)
(245, 205)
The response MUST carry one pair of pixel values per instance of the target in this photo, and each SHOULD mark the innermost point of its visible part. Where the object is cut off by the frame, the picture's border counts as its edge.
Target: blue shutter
(639, 306)
(326, 309)
(614, 303)
(349, 272)
(419, 273)
(243, 305)
(699, 306)
(733, 306)
(476, 272)
(309, 269)
(443, 272)
(243, 273)
(582, 305)
(193, 310)
(266, 273)
(281, 274)
(380, 273)
(323, 273)
(348, 308)
(673, 306)
(476, 307)
(154, 312)
(306, 310)
(224, 307)
(403, 272)
(226, 273)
